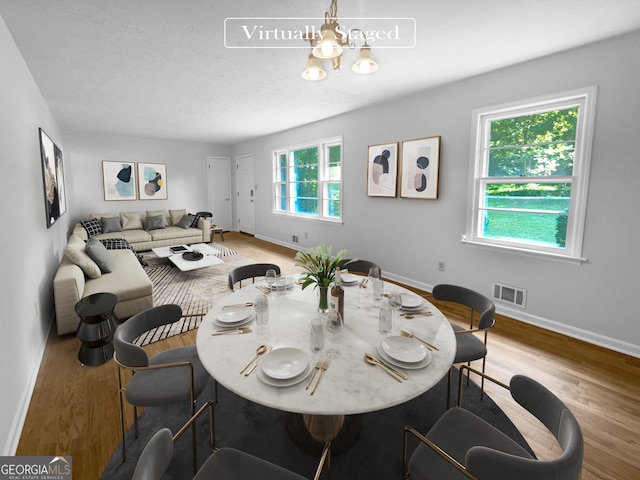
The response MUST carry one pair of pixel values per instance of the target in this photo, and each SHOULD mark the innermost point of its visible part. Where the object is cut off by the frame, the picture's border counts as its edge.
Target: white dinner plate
(234, 314)
(239, 323)
(409, 300)
(284, 363)
(407, 366)
(350, 278)
(287, 382)
(404, 349)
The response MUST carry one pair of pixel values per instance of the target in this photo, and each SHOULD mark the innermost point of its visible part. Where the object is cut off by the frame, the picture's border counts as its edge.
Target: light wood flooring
(74, 409)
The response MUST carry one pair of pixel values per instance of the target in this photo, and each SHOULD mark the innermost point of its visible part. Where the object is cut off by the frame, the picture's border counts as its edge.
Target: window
(530, 168)
(308, 180)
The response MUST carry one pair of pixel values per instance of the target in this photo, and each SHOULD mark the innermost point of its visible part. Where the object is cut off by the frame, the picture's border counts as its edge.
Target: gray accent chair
(358, 266)
(250, 271)
(172, 376)
(469, 346)
(223, 464)
(460, 445)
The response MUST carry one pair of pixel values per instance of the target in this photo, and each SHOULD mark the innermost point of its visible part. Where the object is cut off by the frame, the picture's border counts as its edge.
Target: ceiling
(160, 68)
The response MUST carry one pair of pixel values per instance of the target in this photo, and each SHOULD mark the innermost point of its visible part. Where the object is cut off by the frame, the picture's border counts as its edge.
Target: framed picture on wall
(382, 170)
(420, 168)
(52, 178)
(152, 181)
(119, 180)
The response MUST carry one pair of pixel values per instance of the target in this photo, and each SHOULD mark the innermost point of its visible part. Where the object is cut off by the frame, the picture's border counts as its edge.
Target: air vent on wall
(513, 295)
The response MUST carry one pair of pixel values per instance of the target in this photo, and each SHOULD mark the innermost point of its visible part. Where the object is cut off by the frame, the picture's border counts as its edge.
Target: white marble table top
(349, 386)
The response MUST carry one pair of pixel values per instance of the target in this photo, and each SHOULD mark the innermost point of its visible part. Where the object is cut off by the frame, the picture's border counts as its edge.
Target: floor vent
(513, 295)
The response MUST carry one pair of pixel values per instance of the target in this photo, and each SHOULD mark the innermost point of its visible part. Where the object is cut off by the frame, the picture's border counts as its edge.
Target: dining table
(331, 406)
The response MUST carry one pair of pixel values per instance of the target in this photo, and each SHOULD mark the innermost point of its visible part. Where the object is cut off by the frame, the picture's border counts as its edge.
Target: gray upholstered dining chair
(172, 376)
(469, 346)
(223, 464)
(461, 445)
(252, 271)
(358, 266)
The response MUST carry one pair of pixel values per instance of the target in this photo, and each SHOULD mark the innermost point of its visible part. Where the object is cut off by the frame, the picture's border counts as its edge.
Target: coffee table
(208, 256)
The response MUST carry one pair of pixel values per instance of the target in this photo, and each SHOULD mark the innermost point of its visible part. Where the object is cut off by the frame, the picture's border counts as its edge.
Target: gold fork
(411, 335)
(325, 365)
(315, 370)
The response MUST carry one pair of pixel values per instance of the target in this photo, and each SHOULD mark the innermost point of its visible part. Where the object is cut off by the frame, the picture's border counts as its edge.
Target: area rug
(195, 291)
(261, 431)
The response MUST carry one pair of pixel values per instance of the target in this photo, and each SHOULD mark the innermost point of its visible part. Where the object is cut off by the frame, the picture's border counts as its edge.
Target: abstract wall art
(55, 200)
(119, 180)
(382, 170)
(152, 178)
(420, 168)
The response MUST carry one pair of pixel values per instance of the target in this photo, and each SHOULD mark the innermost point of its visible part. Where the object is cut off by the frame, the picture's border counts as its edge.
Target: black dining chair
(463, 446)
(358, 266)
(250, 271)
(468, 346)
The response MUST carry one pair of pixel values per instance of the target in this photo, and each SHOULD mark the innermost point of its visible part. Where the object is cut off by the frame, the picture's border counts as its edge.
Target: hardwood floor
(74, 409)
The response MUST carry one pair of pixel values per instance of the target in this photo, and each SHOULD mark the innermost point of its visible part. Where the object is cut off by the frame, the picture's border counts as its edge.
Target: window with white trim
(308, 180)
(530, 169)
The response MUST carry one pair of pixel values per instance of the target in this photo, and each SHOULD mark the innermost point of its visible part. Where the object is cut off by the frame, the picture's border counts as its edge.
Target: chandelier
(329, 44)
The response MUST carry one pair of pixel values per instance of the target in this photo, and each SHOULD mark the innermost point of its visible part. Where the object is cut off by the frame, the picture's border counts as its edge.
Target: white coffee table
(208, 256)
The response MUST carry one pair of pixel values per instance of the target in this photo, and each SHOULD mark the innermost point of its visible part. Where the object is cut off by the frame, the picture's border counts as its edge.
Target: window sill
(525, 252)
(308, 218)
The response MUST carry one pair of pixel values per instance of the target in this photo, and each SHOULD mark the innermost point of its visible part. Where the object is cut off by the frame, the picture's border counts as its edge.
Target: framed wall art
(119, 180)
(420, 166)
(55, 200)
(382, 170)
(152, 178)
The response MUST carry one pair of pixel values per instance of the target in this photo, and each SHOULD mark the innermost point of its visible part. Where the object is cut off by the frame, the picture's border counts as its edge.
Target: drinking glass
(395, 302)
(316, 339)
(334, 327)
(270, 278)
(385, 319)
(374, 272)
(261, 306)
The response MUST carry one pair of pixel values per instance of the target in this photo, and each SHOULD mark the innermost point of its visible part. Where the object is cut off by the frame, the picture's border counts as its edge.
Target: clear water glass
(270, 278)
(378, 288)
(316, 334)
(334, 326)
(374, 272)
(261, 306)
(395, 302)
(385, 319)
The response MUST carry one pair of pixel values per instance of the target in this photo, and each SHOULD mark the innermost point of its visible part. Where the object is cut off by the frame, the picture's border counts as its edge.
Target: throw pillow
(131, 221)
(74, 250)
(99, 254)
(93, 227)
(176, 215)
(155, 223)
(196, 217)
(186, 221)
(111, 224)
(155, 213)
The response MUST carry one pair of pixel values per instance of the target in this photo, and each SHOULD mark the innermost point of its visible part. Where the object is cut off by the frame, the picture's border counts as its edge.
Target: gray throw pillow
(186, 221)
(99, 254)
(155, 223)
(111, 224)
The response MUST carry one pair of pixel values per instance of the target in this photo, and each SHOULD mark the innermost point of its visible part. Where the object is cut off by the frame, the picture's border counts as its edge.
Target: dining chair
(468, 346)
(252, 271)
(358, 266)
(171, 376)
(461, 445)
(223, 464)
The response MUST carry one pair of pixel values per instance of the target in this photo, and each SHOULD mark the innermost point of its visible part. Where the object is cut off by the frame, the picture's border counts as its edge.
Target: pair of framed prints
(119, 181)
(416, 170)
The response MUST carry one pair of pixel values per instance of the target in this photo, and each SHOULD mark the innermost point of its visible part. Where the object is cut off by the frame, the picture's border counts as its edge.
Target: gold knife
(396, 372)
(239, 330)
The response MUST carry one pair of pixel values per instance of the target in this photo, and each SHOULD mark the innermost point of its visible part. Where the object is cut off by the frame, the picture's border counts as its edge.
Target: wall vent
(513, 295)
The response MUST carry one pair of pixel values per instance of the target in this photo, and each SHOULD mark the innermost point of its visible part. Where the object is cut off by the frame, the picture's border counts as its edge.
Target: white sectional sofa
(89, 267)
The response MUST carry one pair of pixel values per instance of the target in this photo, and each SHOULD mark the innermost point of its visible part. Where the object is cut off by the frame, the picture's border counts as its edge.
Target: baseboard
(13, 439)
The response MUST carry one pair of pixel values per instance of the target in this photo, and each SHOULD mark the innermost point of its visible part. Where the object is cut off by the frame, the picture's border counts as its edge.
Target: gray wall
(186, 171)
(594, 301)
(31, 252)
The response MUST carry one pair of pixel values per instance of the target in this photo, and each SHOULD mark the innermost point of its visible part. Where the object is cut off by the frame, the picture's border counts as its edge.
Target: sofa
(88, 266)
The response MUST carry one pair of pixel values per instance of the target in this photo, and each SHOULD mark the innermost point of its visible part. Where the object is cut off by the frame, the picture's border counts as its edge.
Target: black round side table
(97, 327)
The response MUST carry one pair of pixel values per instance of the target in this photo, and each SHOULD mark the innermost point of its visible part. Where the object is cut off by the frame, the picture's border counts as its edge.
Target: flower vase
(323, 299)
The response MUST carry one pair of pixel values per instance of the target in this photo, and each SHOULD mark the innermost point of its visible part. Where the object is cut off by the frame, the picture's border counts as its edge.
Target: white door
(219, 177)
(246, 193)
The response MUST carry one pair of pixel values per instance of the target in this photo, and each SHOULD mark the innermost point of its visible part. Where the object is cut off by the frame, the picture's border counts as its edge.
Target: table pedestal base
(310, 432)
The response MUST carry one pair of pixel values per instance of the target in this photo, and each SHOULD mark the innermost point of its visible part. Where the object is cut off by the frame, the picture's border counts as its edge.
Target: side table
(97, 327)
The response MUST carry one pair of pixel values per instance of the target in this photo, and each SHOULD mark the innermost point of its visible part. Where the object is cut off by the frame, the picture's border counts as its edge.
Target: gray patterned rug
(194, 291)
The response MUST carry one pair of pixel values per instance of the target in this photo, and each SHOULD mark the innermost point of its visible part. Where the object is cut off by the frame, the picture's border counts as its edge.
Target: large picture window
(308, 180)
(530, 168)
